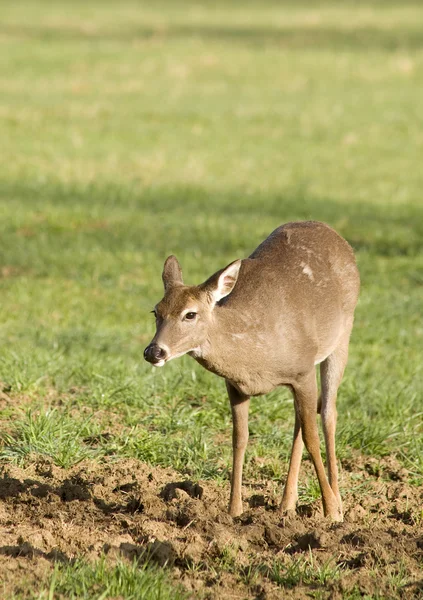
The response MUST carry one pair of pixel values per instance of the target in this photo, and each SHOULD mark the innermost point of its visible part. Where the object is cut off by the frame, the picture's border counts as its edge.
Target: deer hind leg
(306, 407)
(290, 493)
(239, 406)
(331, 371)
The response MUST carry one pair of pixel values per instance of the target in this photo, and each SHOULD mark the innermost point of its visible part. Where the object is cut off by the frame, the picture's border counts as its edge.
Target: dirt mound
(126, 508)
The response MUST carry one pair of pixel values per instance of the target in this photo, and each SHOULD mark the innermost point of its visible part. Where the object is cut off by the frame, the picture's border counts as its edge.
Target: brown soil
(125, 508)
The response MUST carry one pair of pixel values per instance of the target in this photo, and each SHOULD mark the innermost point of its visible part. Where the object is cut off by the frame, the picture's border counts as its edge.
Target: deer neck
(228, 335)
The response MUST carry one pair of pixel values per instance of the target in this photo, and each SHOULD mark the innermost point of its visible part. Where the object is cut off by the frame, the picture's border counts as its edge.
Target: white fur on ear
(226, 281)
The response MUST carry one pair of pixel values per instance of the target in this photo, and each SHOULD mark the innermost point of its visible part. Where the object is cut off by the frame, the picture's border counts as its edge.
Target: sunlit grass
(303, 570)
(50, 434)
(99, 581)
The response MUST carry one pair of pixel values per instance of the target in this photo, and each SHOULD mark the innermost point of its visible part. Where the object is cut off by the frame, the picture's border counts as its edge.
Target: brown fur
(287, 307)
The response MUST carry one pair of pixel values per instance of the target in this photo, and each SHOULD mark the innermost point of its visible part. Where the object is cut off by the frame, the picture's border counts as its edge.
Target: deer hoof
(287, 515)
(335, 516)
(288, 505)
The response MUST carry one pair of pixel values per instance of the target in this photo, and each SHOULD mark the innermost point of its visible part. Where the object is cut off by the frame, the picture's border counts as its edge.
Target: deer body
(267, 321)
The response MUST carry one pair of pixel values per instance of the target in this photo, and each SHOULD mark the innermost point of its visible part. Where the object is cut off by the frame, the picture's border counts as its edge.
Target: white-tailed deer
(266, 321)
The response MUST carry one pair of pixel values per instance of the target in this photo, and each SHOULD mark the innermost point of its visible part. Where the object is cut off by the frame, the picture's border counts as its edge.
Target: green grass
(53, 434)
(137, 130)
(100, 581)
(303, 570)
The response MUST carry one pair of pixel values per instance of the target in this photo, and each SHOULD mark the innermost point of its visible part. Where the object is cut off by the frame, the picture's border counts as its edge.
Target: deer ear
(223, 282)
(172, 273)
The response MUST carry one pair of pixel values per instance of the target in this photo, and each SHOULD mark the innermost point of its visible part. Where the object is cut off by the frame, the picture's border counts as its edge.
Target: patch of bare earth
(128, 509)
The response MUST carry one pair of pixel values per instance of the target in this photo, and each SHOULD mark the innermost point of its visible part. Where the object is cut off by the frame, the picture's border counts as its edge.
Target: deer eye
(189, 316)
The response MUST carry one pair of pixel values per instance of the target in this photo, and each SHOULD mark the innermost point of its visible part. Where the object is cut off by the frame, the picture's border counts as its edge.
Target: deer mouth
(160, 363)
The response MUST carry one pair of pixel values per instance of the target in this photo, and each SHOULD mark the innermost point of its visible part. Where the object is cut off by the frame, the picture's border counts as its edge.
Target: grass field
(132, 130)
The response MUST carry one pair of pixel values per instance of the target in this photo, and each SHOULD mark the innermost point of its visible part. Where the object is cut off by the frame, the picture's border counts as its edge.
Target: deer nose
(154, 354)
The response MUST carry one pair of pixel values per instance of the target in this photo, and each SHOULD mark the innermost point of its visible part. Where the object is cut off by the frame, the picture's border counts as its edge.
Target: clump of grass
(194, 454)
(49, 433)
(303, 571)
(309, 490)
(227, 558)
(99, 581)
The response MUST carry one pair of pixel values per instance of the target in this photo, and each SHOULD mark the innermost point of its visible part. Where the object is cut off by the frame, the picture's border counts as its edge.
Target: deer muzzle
(155, 355)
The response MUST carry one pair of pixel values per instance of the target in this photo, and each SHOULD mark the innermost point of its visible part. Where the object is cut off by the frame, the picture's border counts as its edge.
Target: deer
(267, 321)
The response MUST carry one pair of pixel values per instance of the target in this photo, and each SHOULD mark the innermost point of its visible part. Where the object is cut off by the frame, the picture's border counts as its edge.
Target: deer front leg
(239, 406)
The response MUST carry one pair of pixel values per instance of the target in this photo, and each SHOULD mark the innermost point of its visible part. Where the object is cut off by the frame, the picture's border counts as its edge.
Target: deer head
(185, 313)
